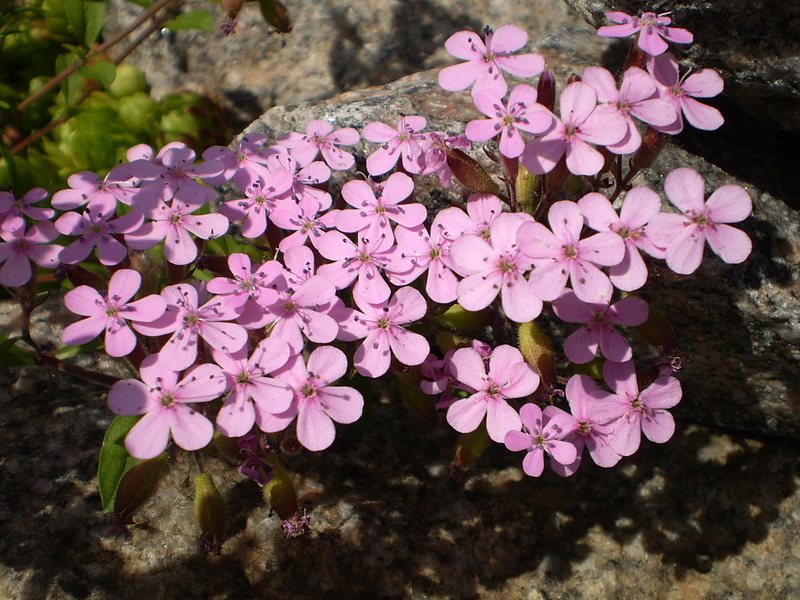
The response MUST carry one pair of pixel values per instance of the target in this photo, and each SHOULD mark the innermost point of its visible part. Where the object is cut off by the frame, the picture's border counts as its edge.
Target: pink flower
(486, 61)
(20, 247)
(542, 433)
(253, 394)
(640, 205)
(652, 28)
(173, 223)
(684, 236)
(14, 210)
(582, 122)
(372, 213)
(101, 194)
(592, 409)
(97, 230)
(561, 254)
(320, 138)
(304, 219)
(361, 263)
(246, 283)
(598, 331)
(509, 376)
(639, 411)
(303, 179)
(521, 113)
(249, 153)
(261, 193)
(189, 322)
(164, 402)
(381, 324)
(396, 143)
(316, 404)
(637, 97)
(110, 311)
(681, 93)
(496, 268)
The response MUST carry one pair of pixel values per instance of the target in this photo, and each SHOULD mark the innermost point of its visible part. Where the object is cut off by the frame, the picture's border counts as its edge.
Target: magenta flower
(321, 138)
(681, 93)
(249, 153)
(651, 27)
(381, 326)
(598, 331)
(637, 97)
(592, 409)
(101, 194)
(495, 267)
(304, 219)
(188, 322)
(487, 61)
(316, 404)
(173, 224)
(164, 402)
(561, 254)
(97, 230)
(640, 205)
(509, 376)
(253, 394)
(304, 179)
(111, 311)
(684, 236)
(639, 412)
(360, 263)
(521, 114)
(14, 210)
(395, 143)
(582, 122)
(20, 247)
(372, 213)
(246, 283)
(542, 433)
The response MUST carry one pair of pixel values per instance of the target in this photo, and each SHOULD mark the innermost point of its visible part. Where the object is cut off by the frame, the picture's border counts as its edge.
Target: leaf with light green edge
(103, 72)
(115, 460)
(227, 245)
(201, 20)
(66, 352)
(76, 17)
(142, 3)
(72, 84)
(94, 12)
(13, 356)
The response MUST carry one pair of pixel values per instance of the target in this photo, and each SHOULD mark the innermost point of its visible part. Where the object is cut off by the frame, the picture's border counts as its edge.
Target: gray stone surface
(755, 45)
(336, 45)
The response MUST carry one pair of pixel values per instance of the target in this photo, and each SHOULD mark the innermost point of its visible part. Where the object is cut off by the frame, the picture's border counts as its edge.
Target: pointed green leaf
(142, 3)
(76, 17)
(102, 72)
(94, 14)
(137, 485)
(13, 356)
(114, 460)
(195, 19)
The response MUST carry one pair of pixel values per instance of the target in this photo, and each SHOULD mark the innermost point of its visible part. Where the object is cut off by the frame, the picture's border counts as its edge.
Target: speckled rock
(755, 45)
(336, 45)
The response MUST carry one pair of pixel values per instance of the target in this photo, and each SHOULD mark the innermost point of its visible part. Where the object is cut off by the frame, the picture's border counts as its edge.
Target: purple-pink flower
(20, 247)
(321, 138)
(684, 235)
(14, 210)
(96, 230)
(543, 433)
(651, 27)
(396, 143)
(487, 61)
(164, 402)
(509, 376)
(110, 311)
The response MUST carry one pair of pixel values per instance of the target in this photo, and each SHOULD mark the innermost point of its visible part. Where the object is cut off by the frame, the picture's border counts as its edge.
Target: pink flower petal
(190, 429)
(150, 436)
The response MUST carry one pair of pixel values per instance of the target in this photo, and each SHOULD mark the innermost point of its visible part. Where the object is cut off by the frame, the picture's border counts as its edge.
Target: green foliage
(114, 460)
(11, 355)
(195, 19)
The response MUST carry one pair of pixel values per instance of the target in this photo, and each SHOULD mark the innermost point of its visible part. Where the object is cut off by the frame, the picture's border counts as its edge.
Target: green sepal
(593, 369)
(115, 460)
(537, 350)
(210, 512)
(528, 189)
(279, 491)
(460, 319)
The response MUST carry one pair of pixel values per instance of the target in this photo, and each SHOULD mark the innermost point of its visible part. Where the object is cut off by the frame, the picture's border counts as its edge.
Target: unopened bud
(280, 493)
(210, 512)
(546, 90)
(528, 188)
(470, 173)
(275, 13)
(231, 8)
(538, 351)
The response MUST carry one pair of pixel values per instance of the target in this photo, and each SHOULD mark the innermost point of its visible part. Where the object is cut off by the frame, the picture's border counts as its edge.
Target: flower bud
(210, 512)
(275, 13)
(282, 498)
(538, 351)
(528, 188)
(470, 173)
(546, 90)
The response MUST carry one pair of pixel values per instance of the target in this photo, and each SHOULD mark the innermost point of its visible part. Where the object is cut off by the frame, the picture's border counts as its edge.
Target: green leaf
(195, 19)
(94, 13)
(13, 356)
(72, 84)
(137, 485)
(114, 460)
(104, 72)
(76, 17)
(142, 3)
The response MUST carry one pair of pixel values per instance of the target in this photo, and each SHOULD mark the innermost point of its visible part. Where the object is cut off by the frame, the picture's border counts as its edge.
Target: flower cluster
(266, 300)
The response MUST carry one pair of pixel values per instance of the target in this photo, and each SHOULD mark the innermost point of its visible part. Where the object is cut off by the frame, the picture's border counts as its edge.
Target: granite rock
(754, 45)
